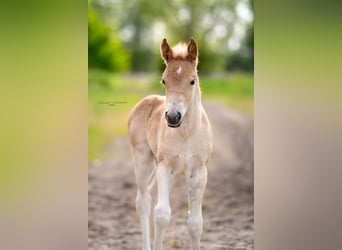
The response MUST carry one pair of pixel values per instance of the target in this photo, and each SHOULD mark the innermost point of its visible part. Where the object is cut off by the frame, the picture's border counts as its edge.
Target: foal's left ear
(192, 50)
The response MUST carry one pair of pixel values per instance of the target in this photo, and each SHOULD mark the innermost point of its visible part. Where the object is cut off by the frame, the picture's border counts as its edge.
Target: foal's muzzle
(174, 119)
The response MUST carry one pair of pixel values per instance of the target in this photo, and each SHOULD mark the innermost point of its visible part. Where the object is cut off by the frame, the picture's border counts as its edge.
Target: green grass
(236, 91)
(112, 96)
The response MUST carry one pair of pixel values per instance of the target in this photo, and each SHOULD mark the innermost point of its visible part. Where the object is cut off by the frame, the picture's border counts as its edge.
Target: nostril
(179, 115)
(166, 116)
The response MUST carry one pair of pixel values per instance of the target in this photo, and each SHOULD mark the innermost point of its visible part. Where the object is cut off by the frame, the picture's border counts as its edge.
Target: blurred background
(125, 65)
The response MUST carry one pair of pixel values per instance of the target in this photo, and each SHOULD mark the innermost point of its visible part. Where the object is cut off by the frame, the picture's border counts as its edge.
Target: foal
(171, 136)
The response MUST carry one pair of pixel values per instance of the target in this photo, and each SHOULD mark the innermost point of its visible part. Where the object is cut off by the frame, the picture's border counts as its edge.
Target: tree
(105, 51)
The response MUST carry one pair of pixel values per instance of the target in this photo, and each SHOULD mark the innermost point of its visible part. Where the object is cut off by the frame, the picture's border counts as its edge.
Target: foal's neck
(193, 116)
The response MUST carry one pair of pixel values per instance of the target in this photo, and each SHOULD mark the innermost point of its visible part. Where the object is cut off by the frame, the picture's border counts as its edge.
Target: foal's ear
(192, 50)
(165, 51)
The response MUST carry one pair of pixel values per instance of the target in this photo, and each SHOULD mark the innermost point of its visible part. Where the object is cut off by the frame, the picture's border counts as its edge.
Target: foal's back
(144, 121)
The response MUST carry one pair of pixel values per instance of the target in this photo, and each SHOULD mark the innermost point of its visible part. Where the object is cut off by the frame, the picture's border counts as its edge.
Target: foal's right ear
(165, 51)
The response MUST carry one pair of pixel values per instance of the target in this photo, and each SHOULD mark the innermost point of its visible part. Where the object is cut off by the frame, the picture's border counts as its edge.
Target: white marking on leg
(196, 185)
(152, 187)
(143, 205)
(162, 211)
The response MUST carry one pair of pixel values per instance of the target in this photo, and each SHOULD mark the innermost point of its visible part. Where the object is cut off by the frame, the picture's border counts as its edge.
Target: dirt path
(228, 201)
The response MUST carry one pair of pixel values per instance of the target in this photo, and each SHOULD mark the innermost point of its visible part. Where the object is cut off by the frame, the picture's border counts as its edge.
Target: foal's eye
(192, 82)
(162, 81)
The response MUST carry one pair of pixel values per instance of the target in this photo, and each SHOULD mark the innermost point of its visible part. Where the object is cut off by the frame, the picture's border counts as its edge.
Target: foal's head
(180, 80)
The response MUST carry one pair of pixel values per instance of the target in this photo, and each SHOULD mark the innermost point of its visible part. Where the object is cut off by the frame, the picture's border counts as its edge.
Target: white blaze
(179, 70)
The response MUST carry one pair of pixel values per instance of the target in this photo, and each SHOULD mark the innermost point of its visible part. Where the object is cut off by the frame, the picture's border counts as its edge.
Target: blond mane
(180, 50)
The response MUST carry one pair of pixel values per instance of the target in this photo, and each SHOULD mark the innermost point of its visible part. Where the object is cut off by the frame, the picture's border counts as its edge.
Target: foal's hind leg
(196, 180)
(144, 164)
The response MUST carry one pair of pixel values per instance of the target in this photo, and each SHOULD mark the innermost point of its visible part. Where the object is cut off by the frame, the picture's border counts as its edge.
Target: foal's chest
(180, 154)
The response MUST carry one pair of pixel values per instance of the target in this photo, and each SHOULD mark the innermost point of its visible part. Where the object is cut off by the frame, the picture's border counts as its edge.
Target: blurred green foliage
(105, 50)
(141, 24)
(244, 58)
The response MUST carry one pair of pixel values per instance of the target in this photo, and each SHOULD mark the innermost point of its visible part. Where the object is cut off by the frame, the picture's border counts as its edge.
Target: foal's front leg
(197, 180)
(162, 211)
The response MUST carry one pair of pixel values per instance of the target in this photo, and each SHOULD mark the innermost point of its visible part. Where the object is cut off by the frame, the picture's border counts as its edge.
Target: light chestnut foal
(171, 136)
